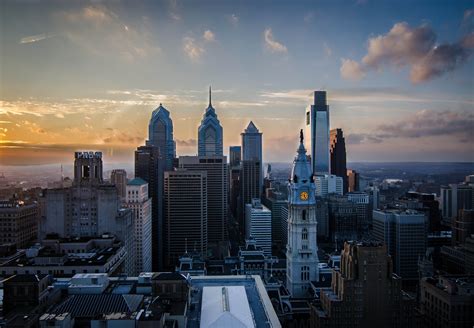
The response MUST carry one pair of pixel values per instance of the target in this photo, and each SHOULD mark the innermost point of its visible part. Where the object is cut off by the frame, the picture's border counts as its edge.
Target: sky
(87, 75)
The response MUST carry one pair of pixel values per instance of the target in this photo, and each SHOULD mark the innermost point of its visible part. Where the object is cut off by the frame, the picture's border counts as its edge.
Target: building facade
(140, 203)
(217, 192)
(317, 128)
(18, 223)
(210, 133)
(258, 225)
(160, 134)
(302, 250)
(338, 156)
(404, 233)
(185, 214)
(328, 184)
(150, 166)
(118, 177)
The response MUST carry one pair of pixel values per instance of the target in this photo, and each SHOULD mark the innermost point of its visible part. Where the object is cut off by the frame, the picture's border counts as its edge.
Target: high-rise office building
(235, 155)
(118, 177)
(150, 166)
(352, 181)
(328, 184)
(364, 292)
(160, 134)
(210, 133)
(317, 128)
(139, 202)
(275, 201)
(251, 179)
(185, 214)
(338, 156)
(258, 225)
(404, 233)
(455, 197)
(18, 223)
(302, 250)
(217, 192)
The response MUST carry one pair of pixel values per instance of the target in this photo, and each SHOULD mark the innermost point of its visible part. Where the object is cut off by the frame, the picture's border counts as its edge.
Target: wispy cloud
(192, 49)
(424, 123)
(233, 19)
(100, 31)
(36, 38)
(271, 44)
(416, 48)
(209, 36)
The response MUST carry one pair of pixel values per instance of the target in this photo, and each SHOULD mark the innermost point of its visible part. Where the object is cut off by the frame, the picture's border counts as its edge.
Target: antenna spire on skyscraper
(210, 102)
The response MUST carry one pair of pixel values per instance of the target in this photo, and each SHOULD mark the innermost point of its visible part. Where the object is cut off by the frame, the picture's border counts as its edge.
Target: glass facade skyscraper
(160, 134)
(210, 133)
(317, 127)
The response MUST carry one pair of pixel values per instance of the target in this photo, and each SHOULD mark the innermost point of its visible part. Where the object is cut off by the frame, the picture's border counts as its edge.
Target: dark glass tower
(338, 156)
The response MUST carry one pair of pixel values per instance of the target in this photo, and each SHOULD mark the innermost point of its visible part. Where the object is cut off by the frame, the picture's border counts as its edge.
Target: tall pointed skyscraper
(302, 250)
(160, 134)
(210, 133)
(317, 128)
(251, 179)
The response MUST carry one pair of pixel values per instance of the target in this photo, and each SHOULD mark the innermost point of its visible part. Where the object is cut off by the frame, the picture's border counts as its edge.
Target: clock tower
(301, 250)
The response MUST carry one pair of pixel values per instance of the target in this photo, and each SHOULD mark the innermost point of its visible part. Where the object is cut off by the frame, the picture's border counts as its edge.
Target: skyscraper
(251, 180)
(149, 166)
(302, 250)
(217, 192)
(235, 155)
(338, 156)
(363, 293)
(352, 181)
(118, 177)
(317, 127)
(404, 233)
(139, 202)
(258, 225)
(328, 184)
(160, 134)
(210, 133)
(185, 214)
(251, 144)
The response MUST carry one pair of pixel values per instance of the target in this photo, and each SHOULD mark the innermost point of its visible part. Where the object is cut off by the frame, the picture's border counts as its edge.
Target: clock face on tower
(304, 195)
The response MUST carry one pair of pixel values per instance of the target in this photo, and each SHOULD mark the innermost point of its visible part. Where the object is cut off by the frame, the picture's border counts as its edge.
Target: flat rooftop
(258, 301)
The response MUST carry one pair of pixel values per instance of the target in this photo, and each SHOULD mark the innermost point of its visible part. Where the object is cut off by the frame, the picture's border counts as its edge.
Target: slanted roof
(91, 305)
(225, 306)
(251, 128)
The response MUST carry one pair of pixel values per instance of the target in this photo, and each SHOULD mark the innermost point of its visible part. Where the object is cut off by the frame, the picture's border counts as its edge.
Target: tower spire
(210, 102)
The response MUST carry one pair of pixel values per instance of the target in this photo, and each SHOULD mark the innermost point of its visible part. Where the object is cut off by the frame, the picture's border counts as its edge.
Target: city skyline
(69, 84)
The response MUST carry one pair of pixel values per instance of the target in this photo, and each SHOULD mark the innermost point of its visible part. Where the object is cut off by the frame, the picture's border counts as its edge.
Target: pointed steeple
(210, 98)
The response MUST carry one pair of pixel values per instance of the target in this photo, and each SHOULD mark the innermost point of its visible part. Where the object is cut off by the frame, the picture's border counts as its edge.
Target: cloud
(351, 70)
(233, 19)
(272, 44)
(327, 50)
(186, 143)
(209, 36)
(121, 138)
(192, 49)
(36, 38)
(100, 31)
(416, 48)
(425, 123)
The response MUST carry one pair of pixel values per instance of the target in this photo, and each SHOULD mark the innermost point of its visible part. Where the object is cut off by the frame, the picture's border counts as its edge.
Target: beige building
(18, 223)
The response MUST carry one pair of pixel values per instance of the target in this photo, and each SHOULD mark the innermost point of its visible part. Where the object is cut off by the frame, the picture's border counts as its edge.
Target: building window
(304, 234)
(303, 215)
(304, 273)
